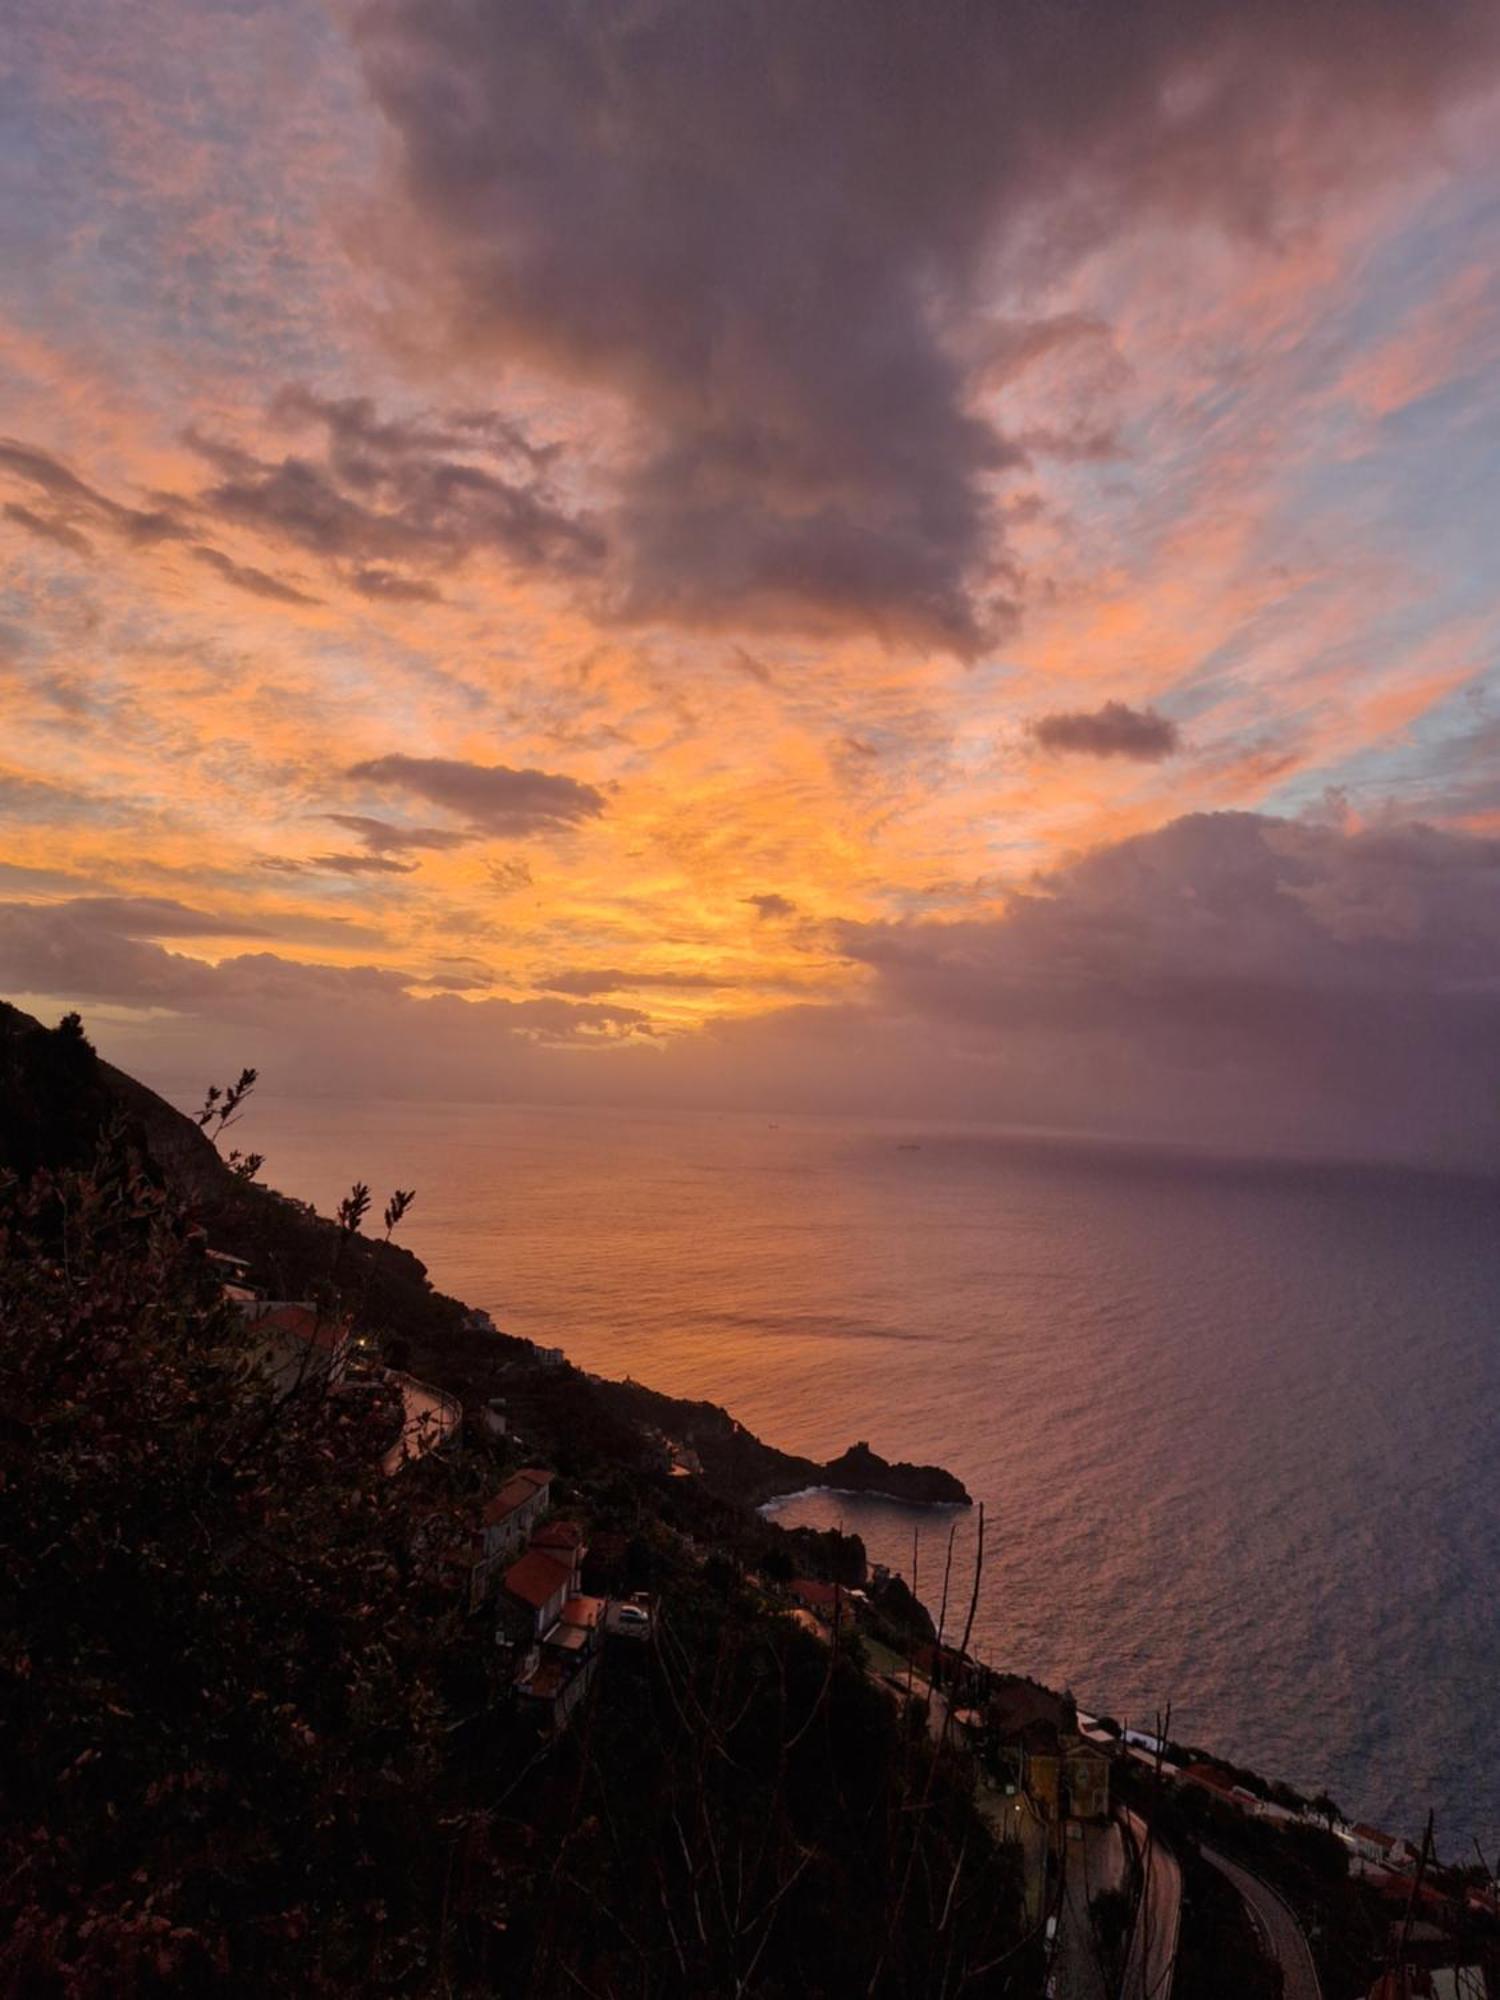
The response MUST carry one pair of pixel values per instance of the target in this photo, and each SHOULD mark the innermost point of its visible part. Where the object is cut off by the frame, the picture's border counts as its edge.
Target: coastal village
(1127, 1843)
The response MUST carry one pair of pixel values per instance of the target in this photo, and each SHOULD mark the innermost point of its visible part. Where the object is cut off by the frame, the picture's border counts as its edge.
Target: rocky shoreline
(737, 1465)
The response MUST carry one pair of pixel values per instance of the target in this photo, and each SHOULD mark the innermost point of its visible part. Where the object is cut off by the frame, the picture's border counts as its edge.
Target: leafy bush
(220, 1634)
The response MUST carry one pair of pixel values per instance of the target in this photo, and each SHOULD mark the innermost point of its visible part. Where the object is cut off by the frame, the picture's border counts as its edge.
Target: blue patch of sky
(1421, 487)
(52, 167)
(93, 240)
(1446, 765)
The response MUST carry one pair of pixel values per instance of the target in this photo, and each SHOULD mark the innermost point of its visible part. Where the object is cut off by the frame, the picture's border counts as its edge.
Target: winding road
(429, 1416)
(1158, 1920)
(1280, 1932)
(1093, 1861)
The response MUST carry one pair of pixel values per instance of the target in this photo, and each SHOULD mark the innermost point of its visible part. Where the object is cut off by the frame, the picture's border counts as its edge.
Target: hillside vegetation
(254, 1741)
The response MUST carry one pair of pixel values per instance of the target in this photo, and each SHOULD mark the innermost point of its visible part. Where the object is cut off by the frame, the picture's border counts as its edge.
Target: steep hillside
(56, 1097)
(260, 1738)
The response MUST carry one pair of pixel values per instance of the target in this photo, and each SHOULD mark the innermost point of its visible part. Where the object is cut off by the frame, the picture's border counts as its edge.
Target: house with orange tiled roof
(514, 1511)
(826, 1601)
(541, 1586)
(563, 1541)
(549, 1633)
(556, 1673)
(296, 1343)
(506, 1527)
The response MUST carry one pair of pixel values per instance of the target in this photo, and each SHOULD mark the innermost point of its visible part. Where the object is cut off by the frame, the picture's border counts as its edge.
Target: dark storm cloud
(1111, 731)
(1232, 977)
(1215, 918)
(491, 796)
(772, 905)
(776, 230)
(382, 840)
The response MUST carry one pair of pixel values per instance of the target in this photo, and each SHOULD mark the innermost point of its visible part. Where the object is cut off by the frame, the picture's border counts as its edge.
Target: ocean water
(1236, 1427)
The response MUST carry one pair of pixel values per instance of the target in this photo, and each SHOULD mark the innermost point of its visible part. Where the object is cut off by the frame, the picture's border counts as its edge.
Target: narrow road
(1092, 1862)
(428, 1417)
(1279, 1930)
(1158, 1920)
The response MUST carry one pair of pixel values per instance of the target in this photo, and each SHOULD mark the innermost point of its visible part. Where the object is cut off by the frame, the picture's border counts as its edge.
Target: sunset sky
(922, 559)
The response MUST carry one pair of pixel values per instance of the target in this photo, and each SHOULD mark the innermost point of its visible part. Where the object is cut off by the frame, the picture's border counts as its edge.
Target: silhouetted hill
(57, 1096)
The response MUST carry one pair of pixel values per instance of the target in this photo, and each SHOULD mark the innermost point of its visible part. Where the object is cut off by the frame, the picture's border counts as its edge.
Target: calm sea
(1236, 1428)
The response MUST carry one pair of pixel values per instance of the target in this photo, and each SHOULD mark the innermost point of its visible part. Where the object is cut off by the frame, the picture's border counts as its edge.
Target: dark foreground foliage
(218, 1642)
(253, 1744)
